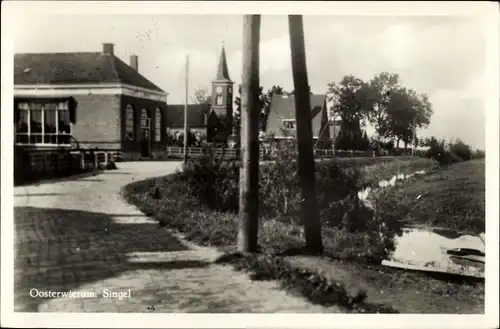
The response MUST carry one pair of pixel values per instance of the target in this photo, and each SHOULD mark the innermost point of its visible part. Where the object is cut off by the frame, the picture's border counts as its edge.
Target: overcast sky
(443, 56)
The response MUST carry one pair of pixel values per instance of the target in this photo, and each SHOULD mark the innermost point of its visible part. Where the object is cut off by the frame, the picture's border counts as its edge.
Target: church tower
(222, 94)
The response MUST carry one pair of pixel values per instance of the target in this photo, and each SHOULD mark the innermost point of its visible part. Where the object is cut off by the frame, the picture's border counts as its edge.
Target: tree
(352, 102)
(407, 110)
(201, 96)
(351, 98)
(309, 212)
(380, 89)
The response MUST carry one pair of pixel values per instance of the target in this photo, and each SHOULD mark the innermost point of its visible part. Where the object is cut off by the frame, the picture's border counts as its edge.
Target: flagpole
(185, 113)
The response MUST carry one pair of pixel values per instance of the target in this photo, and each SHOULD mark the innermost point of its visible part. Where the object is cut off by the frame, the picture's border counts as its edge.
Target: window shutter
(72, 105)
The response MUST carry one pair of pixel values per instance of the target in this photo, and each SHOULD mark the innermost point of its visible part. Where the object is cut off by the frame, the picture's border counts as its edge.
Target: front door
(145, 135)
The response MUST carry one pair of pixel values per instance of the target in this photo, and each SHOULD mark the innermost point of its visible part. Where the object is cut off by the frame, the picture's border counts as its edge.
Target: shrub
(478, 154)
(214, 182)
(438, 152)
(111, 166)
(461, 150)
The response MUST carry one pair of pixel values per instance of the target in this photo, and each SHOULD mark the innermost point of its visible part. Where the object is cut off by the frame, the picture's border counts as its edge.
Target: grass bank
(451, 198)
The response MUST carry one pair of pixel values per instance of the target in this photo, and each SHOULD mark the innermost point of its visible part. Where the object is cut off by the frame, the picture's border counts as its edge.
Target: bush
(438, 152)
(478, 154)
(111, 166)
(214, 183)
(456, 151)
(461, 150)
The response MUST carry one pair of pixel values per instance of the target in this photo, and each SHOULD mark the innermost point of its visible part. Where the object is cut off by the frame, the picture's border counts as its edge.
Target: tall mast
(185, 111)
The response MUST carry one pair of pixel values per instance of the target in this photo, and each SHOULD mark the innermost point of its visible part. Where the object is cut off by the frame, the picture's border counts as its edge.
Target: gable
(283, 107)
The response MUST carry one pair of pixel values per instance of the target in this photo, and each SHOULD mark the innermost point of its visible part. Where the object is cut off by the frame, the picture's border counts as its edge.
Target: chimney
(134, 62)
(107, 48)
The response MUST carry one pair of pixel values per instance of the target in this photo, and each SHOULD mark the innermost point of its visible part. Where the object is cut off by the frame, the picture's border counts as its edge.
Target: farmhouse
(87, 100)
(212, 121)
(282, 122)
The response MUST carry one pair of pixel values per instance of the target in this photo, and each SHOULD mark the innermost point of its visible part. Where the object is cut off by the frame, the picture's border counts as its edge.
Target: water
(426, 249)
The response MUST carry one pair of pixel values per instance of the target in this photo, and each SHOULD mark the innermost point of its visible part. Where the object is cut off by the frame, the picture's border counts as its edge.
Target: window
(219, 100)
(158, 125)
(43, 123)
(144, 119)
(129, 123)
(289, 124)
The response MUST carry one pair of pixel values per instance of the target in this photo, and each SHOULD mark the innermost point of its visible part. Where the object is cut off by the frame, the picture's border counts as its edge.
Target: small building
(87, 100)
(281, 122)
(197, 115)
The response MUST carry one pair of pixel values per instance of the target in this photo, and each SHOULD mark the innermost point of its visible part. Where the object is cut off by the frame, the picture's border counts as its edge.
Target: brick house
(211, 121)
(281, 123)
(89, 100)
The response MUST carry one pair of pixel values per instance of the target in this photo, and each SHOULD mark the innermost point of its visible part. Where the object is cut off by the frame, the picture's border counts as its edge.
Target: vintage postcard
(250, 164)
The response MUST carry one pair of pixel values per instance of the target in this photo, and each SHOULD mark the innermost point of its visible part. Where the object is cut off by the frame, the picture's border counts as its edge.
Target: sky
(442, 56)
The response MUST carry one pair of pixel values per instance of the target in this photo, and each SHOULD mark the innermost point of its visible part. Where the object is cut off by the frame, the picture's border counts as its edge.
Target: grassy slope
(452, 198)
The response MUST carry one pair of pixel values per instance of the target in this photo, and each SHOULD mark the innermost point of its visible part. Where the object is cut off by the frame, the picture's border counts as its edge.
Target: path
(79, 235)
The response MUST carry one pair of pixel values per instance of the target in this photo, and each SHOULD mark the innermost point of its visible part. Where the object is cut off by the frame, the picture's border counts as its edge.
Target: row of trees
(393, 110)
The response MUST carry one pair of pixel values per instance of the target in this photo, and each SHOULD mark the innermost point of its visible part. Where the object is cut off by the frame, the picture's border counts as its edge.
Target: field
(348, 273)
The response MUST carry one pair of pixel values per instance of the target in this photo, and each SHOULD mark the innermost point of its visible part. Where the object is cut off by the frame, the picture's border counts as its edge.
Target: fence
(32, 165)
(178, 152)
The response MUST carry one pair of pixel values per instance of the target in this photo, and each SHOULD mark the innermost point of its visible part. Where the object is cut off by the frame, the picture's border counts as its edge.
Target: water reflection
(426, 250)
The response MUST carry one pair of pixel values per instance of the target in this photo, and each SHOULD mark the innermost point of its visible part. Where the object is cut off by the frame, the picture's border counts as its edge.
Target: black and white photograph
(224, 158)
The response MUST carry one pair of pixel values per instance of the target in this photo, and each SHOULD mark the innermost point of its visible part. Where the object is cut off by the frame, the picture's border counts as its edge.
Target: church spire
(222, 71)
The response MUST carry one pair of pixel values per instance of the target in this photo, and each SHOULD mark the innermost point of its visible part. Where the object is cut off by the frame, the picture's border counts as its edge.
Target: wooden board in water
(476, 274)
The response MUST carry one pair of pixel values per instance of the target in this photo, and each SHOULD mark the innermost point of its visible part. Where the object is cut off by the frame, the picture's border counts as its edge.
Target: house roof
(283, 107)
(222, 70)
(196, 115)
(76, 68)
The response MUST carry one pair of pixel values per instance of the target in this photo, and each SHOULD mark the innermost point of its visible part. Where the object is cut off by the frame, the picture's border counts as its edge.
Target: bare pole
(185, 112)
(249, 172)
(309, 207)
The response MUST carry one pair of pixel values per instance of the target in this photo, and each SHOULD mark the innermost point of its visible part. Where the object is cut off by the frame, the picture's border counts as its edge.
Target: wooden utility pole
(185, 112)
(249, 171)
(309, 207)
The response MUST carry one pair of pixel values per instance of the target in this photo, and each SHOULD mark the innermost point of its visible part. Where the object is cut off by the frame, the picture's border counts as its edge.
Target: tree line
(393, 110)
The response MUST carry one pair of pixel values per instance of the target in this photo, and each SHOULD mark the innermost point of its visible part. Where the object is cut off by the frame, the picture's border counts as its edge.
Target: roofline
(86, 89)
